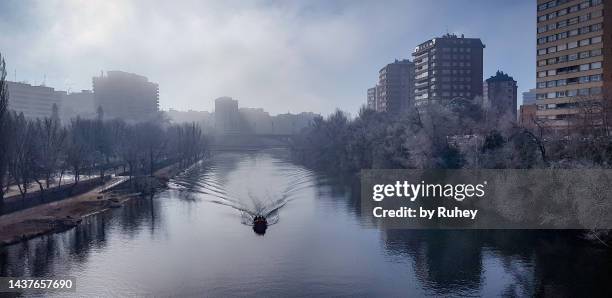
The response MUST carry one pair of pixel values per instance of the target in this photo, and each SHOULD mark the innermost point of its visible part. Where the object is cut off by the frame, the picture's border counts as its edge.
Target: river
(193, 239)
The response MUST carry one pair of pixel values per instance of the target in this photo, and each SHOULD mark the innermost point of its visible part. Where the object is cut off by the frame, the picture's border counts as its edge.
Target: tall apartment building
(126, 96)
(529, 97)
(395, 89)
(33, 101)
(227, 116)
(574, 43)
(372, 98)
(500, 95)
(448, 67)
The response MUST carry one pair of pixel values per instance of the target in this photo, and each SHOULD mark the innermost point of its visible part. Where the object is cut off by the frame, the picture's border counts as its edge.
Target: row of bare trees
(438, 135)
(457, 134)
(41, 151)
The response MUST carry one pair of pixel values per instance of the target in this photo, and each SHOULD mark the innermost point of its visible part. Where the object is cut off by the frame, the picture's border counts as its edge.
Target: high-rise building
(527, 110)
(33, 101)
(372, 98)
(126, 96)
(395, 89)
(574, 44)
(227, 116)
(529, 97)
(500, 95)
(447, 68)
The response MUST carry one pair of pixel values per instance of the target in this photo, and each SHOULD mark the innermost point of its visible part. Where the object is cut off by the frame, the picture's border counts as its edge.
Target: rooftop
(500, 76)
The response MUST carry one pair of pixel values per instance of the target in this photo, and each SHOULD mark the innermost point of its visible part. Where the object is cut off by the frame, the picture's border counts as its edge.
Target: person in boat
(260, 224)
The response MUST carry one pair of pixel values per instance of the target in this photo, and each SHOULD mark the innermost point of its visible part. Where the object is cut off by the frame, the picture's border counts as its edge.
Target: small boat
(260, 224)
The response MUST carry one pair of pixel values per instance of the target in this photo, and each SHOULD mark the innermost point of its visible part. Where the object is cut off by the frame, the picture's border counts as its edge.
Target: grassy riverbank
(65, 214)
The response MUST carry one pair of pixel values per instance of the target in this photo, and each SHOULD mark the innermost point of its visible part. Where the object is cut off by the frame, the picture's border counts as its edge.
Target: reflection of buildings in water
(45, 256)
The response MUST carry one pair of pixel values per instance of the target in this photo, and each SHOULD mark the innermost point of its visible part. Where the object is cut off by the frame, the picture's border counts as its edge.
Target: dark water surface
(193, 240)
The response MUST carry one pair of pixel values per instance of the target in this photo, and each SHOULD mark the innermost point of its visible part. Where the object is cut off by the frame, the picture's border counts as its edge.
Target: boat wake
(202, 181)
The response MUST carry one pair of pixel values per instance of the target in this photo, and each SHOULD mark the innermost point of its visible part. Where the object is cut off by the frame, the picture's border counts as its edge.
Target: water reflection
(184, 242)
(43, 256)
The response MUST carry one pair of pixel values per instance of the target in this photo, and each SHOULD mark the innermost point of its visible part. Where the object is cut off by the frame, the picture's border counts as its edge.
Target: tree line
(451, 135)
(40, 151)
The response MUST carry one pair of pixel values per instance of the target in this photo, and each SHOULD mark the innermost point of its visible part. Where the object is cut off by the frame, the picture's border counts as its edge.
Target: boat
(260, 224)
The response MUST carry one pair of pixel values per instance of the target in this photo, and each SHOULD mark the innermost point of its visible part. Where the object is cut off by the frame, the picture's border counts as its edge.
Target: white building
(33, 101)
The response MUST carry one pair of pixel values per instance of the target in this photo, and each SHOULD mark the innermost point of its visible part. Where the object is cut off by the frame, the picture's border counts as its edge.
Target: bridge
(250, 141)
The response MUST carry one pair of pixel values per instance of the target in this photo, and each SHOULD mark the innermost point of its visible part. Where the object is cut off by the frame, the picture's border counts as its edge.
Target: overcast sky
(279, 55)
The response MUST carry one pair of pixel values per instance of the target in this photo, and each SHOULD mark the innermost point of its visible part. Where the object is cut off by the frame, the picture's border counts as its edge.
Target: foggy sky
(279, 55)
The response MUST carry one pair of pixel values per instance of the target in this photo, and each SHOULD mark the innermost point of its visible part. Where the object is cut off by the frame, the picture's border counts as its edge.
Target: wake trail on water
(204, 179)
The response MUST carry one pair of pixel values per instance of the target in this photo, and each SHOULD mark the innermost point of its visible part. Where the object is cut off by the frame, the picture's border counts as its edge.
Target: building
(574, 43)
(448, 67)
(78, 104)
(126, 96)
(227, 116)
(230, 119)
(395, 89)
(529, 97)
(372, 98)
(499, 95)
(204, 118)
(255, 121)
(527, 115)
(289, 124)
(527, 110)
(33, 101)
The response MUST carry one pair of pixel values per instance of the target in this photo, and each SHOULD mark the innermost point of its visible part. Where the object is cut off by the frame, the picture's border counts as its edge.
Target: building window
(595, 78)
(584, 67)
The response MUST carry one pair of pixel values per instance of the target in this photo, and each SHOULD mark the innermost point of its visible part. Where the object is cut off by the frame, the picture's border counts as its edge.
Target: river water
(193, 239)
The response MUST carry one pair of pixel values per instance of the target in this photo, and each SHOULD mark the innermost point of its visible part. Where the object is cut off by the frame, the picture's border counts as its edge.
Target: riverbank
(63, 215)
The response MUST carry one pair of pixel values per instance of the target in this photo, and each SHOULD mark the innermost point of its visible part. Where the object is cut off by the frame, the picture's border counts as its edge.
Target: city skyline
(276, 55)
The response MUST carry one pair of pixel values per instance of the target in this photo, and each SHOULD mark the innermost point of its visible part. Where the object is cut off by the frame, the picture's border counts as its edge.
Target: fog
(283, 56)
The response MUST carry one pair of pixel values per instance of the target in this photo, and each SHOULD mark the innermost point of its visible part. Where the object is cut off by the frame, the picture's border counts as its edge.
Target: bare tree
(153, 142)
(79, 147)
(589, 119)
(5, 129)
(22, 163)
(51, 138)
